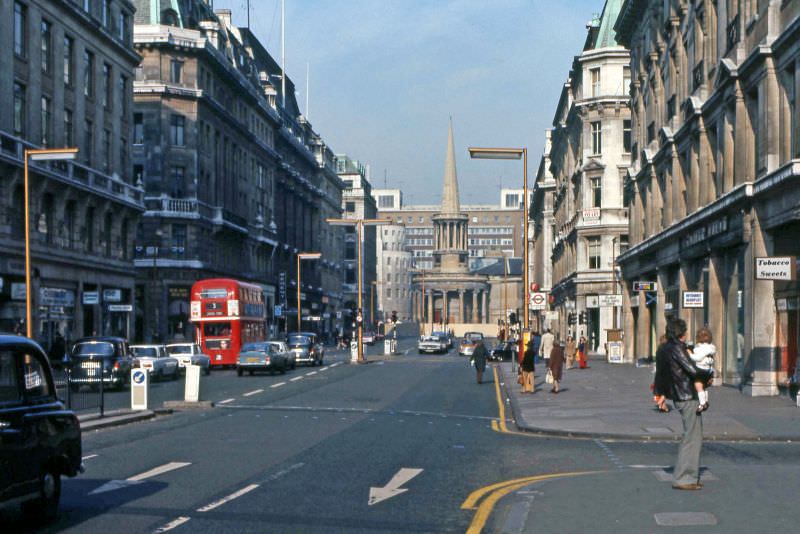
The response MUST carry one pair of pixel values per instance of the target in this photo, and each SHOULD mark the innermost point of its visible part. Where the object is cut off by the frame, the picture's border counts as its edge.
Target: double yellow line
(497, 491)
(494, 492)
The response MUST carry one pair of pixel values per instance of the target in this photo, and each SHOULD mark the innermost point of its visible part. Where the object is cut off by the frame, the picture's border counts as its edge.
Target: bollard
(387, 346)
(354, 351)
(191, 391)
(140, 389)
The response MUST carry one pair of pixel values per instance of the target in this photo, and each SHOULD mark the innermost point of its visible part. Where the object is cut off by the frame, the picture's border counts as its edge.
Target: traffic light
(572, 318)
(394, 316)
(583, 318)
(512, 318)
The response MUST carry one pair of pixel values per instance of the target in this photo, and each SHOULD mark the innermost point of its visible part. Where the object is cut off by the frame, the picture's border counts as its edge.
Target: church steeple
(450, 202)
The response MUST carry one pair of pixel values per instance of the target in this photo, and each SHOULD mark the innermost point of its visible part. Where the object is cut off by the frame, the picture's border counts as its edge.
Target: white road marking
(160, 470)
(112, 485)
(226, 401)
(279, 384)
(311, 373)
(172, 524)
(323, 369)
(89, 457)
(335, 364)
(392, 488)
(232, 496)
(254, 392)
(295, 379)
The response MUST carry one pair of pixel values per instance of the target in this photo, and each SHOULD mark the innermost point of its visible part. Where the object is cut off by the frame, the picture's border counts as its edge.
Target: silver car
(190, 354)
(155, 360)
(284, 349)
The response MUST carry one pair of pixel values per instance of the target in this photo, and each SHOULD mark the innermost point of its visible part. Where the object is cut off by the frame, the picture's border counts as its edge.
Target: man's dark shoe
(690, 487)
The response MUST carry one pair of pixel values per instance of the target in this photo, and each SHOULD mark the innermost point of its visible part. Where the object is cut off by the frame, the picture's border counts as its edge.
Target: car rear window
(145, 352)
(179, 349)
(254, 346)
(93, 349)
(299, 340)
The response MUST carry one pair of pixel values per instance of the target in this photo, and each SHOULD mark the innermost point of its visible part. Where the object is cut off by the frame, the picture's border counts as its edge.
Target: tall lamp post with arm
(54, 154)
(359, 224)
(303, 256)
(514, 153)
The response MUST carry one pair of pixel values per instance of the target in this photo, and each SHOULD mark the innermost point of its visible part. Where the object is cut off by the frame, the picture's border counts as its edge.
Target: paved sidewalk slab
(614, 401)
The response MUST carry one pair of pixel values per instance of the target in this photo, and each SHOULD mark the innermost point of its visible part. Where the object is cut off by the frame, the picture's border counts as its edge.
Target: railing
(79, 397)
(72, 172)
(179, 207)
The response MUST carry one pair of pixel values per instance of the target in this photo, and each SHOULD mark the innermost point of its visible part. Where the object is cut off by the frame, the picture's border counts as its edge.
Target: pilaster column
(474, 306)
(461, 311)
(430, 307)
(485, 306)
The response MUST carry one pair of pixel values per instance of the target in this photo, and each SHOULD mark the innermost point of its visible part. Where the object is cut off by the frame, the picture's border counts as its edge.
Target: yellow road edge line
(500, 406)
(486, 507)
(475, 496)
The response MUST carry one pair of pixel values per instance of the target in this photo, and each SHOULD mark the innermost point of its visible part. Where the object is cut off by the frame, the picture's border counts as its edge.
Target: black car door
(17, 466)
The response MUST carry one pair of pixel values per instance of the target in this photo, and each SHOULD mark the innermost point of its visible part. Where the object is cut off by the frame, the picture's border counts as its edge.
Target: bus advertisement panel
(227, 313)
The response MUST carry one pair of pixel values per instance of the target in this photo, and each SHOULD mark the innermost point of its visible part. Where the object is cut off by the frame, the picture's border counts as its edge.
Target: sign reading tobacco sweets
(776, 268)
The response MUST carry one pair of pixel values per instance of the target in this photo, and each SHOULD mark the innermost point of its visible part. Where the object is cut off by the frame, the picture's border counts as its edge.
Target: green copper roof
(606, 36)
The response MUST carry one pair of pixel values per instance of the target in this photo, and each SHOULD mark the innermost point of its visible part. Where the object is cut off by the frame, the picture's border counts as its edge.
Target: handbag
(549, 377)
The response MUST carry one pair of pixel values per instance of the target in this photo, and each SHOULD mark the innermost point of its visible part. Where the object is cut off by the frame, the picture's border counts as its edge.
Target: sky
(386, 75)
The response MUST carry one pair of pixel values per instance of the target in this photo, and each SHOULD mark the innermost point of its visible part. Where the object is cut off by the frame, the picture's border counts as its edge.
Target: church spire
(450, 203)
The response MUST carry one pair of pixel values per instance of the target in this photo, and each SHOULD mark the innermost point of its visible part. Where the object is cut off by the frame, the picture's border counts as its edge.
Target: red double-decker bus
(227, 313)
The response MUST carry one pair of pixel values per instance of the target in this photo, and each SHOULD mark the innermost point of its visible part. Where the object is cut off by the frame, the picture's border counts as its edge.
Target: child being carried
(703, 357)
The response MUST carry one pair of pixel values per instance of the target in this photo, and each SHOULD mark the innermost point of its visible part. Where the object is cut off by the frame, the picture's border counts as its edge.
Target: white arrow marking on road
(393, 489)
(112, 485)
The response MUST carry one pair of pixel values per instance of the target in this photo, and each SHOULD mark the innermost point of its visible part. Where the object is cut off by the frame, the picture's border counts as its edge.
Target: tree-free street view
(399, 266)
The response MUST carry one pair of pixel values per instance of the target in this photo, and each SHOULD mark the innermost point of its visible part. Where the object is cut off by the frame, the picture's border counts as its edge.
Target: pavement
(613, 401)
(93, 421)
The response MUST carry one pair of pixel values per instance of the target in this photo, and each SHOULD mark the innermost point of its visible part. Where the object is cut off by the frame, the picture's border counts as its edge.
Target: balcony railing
(188, 208)
(72, 173)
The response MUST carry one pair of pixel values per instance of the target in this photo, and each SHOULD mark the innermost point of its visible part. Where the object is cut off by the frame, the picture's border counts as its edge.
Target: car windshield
(93, 348)
(472, 336)
(299, 340)
(251, 347)
(179, 349)
(145, 352)
(430, 338)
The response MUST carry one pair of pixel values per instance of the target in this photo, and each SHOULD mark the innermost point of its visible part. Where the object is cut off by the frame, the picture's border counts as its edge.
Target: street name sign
(693, 299)
(776, 268)
(645, 286)
(609, 301)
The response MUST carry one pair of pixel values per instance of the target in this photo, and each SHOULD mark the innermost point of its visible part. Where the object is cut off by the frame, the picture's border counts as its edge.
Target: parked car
(447, 337)
(468, 343)
(433, 344)
(190, 354)
(368, 337)
(261, 356)
(155, 359)
(504, 350)
(307, 349)
(100, 359)
(284, 348)
(40, 440)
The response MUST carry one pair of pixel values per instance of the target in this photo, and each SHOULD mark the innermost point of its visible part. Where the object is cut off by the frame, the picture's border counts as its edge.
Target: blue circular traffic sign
(138, 377)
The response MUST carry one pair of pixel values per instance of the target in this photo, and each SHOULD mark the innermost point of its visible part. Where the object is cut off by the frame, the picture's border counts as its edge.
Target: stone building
(237, 181)
(714, 181)
(357, 203)
(393, 273)
(588, 153)
(66, 72)
(543, 229)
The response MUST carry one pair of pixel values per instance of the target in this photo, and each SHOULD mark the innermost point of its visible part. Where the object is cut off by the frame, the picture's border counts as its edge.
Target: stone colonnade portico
(443, 304)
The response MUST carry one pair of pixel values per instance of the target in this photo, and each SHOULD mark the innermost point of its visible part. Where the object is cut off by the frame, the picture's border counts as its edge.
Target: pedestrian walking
(479, 360)
(675, 376)
(702, 355)
(528, 368)
(570, 352)
(582, 352)
(556, 365)
(547, 344)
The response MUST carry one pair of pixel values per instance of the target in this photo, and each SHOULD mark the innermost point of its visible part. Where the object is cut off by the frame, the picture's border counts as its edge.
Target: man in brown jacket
(570, 350)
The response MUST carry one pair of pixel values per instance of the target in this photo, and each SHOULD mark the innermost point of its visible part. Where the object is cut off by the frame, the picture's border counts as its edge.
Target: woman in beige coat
(570, 351)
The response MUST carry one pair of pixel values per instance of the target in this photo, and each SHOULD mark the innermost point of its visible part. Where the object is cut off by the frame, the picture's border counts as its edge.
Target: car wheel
(239, 371)
(45, 506)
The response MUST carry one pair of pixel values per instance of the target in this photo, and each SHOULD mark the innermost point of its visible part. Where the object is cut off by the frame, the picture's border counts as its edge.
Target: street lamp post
(514, 153)
(359, 224)
(303, 256)
(54, 154)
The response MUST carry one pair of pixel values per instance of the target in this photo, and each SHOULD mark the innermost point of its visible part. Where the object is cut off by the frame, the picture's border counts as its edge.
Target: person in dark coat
(528, 367)
(479, 360)
(556, 364)
(536, 340)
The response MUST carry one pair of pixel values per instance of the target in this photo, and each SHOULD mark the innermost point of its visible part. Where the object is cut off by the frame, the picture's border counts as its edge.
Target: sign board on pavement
(608, 301)
(615, 351)
(538, 300)
(693, 299)
(776, 268)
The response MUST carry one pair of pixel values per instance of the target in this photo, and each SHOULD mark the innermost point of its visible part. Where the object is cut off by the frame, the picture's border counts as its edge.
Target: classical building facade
(714, 182)
(393, 269)
(237, 181)
(66, 72)
(589, 154)
(357, 203)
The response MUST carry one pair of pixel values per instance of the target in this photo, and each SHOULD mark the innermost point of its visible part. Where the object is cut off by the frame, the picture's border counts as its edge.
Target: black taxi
(40, 441)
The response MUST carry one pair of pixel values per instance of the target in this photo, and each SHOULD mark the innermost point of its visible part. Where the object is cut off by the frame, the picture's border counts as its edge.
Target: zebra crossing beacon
(359, 224)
